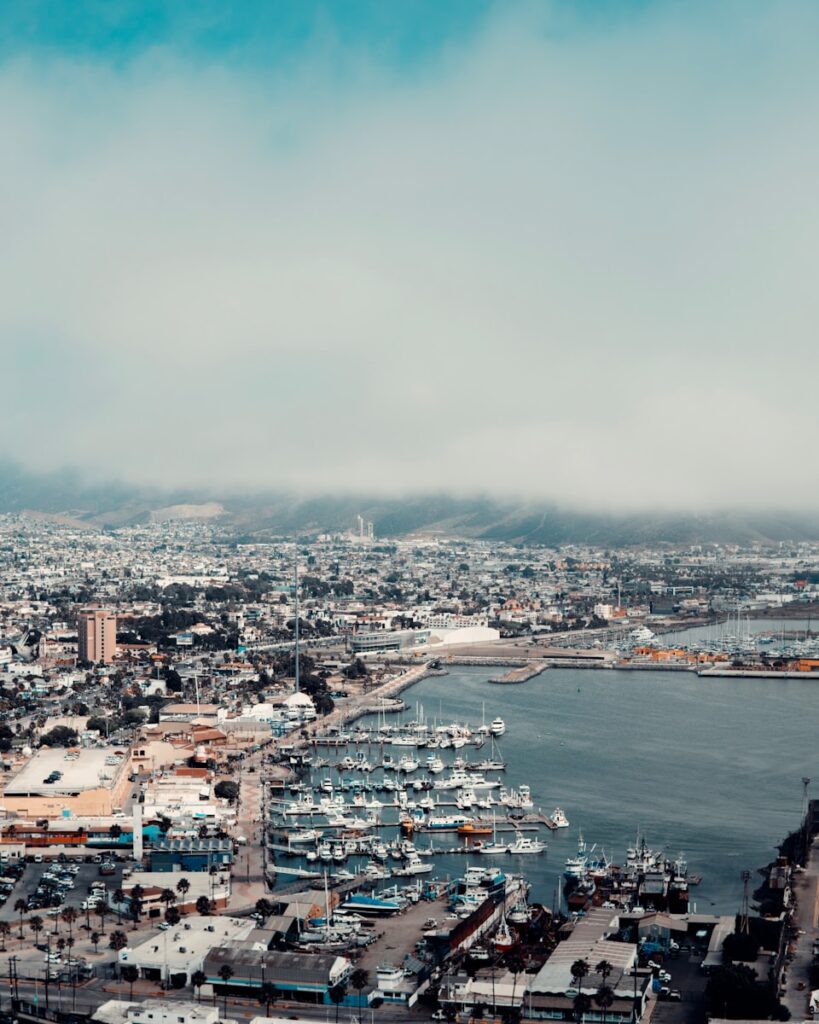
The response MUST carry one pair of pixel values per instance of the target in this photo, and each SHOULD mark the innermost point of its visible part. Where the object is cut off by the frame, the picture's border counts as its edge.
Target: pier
(521, 674)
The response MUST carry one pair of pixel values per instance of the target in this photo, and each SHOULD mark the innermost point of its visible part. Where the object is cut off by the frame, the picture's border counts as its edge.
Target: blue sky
(559, 249)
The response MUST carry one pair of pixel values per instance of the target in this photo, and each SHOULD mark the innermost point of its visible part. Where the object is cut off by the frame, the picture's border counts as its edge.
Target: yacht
(434, 764)
(408, 764)
(524, 844)
(413, 865)
(559, 819)
(497, 726)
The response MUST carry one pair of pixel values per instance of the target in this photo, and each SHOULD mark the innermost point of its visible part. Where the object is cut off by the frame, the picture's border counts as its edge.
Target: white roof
(298, 700)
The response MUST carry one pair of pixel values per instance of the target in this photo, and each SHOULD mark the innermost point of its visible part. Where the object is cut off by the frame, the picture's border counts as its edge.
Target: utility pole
(296, 593)
(743, 913)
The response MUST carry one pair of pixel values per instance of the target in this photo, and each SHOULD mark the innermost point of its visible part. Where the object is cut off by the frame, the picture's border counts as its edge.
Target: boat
(474, 828)
(524, 844)
(559, 819)
(371, 906)
(434, 764)
(497, 727)
(445, 822)
(413, 866)
(504, 940)
(408, 764)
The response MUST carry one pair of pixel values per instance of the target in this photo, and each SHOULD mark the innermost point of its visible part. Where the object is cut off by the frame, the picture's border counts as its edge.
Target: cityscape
(409, 530)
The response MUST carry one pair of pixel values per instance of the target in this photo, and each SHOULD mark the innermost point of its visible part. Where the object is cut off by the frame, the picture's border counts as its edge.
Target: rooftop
(87, 770)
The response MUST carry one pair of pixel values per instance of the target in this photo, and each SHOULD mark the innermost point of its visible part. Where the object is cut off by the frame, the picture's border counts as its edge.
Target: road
(806, 891)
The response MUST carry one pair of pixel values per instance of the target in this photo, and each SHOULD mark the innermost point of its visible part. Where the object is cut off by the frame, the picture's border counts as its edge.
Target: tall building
(97, 635)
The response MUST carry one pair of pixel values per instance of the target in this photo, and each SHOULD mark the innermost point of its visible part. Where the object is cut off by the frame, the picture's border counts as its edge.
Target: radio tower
(743, 913)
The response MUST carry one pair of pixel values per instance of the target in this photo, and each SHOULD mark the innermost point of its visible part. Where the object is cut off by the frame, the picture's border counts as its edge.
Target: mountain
(66, 496)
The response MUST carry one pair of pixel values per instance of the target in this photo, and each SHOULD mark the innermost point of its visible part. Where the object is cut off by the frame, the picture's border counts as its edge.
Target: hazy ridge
(67, 498)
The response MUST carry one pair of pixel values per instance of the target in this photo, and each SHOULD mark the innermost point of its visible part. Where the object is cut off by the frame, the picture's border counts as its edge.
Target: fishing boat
(559, 819)
(504, 940)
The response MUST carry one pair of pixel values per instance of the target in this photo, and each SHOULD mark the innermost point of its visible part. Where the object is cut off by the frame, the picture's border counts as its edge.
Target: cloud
(565, 258)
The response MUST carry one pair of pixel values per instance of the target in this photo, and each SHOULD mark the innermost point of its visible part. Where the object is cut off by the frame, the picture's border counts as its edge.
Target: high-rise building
(97, 635)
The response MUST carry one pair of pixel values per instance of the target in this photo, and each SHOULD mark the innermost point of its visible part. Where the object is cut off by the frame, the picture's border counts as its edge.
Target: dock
(521, 674)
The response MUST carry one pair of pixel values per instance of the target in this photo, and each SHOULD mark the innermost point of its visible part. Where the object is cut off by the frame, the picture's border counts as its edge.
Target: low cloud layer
(559, 259)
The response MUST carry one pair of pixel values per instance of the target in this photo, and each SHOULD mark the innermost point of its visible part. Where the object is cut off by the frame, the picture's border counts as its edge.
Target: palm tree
(582, 1005)
(604, 997)
(167, 896)
(604, 969)
(515, 965)
(135, 908)
(182, 886)
(95, 939)
(35, 924)
(579, 969)
(69, 915)
(103, 910)
(130, 974)
(337, 994)
(5, 931)
(115, 832)
(21, 907)
(225, 973)
(198, 979)
(119, 899)
(268, 994)
(359, 979)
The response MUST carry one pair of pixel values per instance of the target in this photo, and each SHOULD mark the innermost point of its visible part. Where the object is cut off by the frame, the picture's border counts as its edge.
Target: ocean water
(708, 767)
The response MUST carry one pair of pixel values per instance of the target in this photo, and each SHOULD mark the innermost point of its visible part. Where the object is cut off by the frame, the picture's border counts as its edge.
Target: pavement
(806, 892)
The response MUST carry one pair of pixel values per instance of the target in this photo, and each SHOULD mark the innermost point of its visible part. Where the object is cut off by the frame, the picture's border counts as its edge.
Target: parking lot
(690, 981)
(26, 888)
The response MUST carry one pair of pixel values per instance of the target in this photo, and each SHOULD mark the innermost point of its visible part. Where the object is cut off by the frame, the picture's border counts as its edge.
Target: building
(302, 977)
(551, 993)
(55, 783)
(156, 1011)
(96, 636)
(183, 948)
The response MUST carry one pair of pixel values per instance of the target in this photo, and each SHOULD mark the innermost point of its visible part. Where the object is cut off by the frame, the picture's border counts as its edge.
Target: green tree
(198, 979)
(130, 974)
(581, 1006)
(359, 979)
(20, 907)
(225, 973)
(337, 994)
(604, 997)
(5, 931)
(268, 994)
(203, 906)
(95, 940)
(172, 916)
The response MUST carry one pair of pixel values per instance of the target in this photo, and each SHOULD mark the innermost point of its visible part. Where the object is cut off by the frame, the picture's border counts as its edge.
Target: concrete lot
(397, 935)
(689, 979)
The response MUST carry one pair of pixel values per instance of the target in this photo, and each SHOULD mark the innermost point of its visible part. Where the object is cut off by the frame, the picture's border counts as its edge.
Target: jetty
(521, 674)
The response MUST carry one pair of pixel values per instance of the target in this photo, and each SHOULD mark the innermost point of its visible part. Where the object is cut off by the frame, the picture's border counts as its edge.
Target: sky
(536, 249)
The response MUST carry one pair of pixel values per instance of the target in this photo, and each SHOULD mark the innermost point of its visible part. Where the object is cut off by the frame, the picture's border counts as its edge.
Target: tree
(264, 908)
(268, 994)
(115, 832)
(183, 886)
(203, 906)
(733, 991)
(60, 736)
(581, 1006)
(604, 997)
(103, 910)
(35, 924)
(130, 974)
(172, 916)
(119, 899)
(167, 896)
(117, 941)
(579, 969)
(227, 790)
(95, 939)
(198, 979)
(21, 907)
(604, 969)
(225, 973)
(337, 994)
(359, 979)
(516, 966)
(5, 931)
(69, 915)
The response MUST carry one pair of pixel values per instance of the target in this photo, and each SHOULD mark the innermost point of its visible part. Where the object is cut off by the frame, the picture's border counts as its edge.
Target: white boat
(308, 835)
(520, 798)
(434, 765)
(497, 726)
(524, 844)
(413, 866)
(559, 819)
